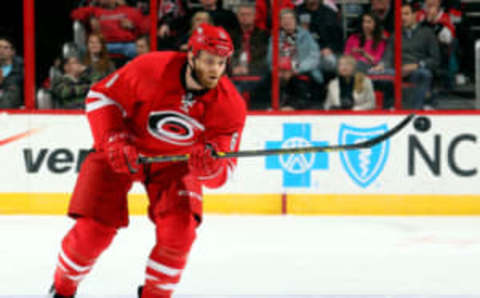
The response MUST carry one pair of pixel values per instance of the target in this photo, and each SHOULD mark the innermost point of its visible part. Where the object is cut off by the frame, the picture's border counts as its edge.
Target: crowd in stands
(318, 68)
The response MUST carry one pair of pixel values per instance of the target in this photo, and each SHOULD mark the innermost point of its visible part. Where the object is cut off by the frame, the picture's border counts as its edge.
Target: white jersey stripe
(163, 269)
(72, 264)
(102, 101)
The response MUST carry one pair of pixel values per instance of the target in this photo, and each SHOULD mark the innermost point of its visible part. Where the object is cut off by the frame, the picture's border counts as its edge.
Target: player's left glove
(121, 154)
(202, 163)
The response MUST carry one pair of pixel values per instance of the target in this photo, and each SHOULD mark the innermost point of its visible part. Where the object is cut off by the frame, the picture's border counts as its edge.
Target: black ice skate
(53, 294)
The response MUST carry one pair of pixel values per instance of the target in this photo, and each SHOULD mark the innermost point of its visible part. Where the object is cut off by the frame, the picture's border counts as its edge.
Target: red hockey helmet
(211, 39)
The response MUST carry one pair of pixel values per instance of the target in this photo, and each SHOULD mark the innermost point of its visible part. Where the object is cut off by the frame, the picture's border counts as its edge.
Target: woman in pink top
(368, 46)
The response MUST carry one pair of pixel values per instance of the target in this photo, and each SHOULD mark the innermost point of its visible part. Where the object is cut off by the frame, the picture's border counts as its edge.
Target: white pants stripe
(72, 264)
(163, 268)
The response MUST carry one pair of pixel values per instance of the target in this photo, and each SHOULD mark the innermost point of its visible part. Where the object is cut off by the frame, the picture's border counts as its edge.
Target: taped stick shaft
(253, 153)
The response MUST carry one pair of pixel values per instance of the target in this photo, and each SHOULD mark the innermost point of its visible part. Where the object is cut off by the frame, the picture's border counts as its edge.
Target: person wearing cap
(161, 103)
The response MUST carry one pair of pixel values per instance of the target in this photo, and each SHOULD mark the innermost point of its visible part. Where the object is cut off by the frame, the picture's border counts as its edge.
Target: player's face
(209, 69)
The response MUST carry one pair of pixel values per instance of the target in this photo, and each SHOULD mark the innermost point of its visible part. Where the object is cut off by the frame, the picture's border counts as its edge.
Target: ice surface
(267, 256)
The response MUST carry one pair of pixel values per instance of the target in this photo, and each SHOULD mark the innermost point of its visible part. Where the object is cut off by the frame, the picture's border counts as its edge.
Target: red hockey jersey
(148, 99)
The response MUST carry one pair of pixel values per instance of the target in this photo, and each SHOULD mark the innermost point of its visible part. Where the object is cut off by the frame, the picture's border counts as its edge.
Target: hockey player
(160, 103)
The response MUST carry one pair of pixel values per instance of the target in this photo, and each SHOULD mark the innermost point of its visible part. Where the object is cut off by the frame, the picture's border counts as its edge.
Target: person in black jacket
(250, 44)
(420, 56)
(383, 9)
(11, 76)
(323, 24)
(221, 17)
(250, 51)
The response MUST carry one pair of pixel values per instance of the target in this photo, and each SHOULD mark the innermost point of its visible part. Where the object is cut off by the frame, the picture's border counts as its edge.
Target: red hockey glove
(123, 157)
(201, 163)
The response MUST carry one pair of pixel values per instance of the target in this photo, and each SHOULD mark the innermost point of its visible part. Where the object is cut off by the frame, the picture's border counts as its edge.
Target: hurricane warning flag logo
(363, 165)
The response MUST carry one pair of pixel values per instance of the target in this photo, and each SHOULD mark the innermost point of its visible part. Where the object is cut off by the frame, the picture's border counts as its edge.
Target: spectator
(384, 11)
(367, 46)
(143, 45)
(332, 5)
(97, 56)
(434, 16)
(420, 56)
(198, 18)
(299, 61)
(11, 75)
(323, 24)
(221, 17)
(350, 90)
(119, 24)
(250, 45)
(69, 90)
(263, 12)
(454, 9)
(173, 22)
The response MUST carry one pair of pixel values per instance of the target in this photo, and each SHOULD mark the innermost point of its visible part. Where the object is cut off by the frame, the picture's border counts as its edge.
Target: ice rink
(267, 256)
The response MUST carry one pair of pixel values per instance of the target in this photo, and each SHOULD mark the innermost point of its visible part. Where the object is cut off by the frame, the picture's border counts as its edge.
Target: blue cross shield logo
(296, 168)
(363, 165)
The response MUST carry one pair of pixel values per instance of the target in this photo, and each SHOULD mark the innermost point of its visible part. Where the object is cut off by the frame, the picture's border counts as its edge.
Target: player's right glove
(122, 156)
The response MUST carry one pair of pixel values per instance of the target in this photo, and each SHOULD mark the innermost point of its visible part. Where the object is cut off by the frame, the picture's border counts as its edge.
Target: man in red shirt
(119, 24)
(161, 103)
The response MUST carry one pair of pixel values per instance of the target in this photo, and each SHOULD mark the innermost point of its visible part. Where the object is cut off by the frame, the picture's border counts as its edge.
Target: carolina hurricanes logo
(174, 128)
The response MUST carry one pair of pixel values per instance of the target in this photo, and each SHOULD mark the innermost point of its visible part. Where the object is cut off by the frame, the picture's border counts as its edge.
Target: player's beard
(203, 78)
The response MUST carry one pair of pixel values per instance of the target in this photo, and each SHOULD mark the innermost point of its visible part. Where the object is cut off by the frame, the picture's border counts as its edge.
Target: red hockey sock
(80, 248)
(175, 235)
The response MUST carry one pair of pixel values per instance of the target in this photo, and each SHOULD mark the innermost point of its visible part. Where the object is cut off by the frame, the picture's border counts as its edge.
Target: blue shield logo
(363, 165)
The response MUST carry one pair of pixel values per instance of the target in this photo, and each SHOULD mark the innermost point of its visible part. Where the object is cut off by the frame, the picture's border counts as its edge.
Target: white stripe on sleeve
(102, 101)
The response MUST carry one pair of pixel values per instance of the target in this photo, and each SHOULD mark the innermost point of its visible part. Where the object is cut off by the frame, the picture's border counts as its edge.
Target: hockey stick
(251, 153)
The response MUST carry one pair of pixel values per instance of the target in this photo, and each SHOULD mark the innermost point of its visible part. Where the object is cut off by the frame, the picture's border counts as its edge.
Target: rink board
(416, 172)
